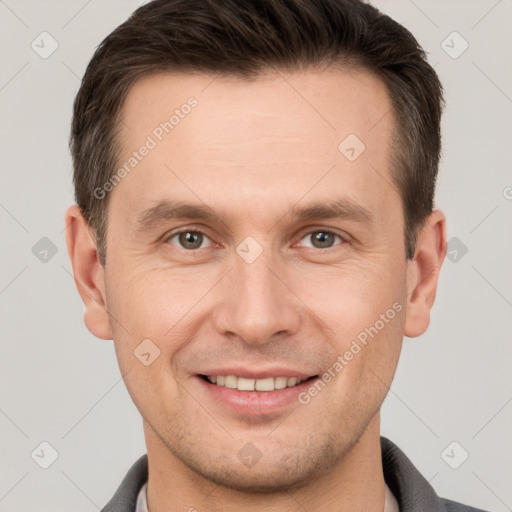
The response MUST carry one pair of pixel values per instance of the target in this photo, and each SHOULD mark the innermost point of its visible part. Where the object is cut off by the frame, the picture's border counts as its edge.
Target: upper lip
(257, 373)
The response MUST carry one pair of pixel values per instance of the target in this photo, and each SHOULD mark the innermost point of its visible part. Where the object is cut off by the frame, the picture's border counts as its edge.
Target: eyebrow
(173, 210)
(340, 208)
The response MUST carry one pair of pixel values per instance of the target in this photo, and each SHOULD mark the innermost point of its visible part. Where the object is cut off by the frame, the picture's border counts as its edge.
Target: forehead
(278, 132)
(312, 103)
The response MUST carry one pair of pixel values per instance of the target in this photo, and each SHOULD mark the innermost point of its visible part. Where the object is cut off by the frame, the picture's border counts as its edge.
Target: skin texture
(255, 152)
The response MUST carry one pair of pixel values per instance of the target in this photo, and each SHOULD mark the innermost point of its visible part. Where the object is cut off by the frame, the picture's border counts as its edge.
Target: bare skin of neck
(354, 484)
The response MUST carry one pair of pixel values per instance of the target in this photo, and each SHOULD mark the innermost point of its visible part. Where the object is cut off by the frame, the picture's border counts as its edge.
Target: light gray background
(61, 385)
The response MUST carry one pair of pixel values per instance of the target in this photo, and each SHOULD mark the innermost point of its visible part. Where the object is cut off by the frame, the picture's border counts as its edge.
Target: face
(259, 236)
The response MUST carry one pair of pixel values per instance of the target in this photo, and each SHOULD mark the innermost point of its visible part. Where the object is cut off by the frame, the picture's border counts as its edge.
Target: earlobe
(88, 273)
(423, 273)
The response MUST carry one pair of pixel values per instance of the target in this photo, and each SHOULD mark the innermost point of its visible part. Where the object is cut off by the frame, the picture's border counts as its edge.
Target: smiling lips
(254, 392)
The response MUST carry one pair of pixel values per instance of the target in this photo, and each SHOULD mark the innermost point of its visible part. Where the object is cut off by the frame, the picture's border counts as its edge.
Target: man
(255, 230)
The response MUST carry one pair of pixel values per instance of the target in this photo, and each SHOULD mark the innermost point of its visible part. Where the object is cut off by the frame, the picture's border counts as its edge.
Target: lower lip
(254, 402)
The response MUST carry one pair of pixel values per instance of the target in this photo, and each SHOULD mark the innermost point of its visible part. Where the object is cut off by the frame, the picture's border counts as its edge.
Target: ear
(423, 273)
(88, 272)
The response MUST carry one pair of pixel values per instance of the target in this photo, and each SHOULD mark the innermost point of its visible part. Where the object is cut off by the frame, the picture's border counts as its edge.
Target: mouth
(246, 384)
(262, 398)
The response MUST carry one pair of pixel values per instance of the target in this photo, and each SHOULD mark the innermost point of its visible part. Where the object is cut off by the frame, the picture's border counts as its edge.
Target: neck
(354, 483)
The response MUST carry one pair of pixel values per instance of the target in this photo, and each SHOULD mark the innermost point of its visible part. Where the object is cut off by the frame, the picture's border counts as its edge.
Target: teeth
(244, 384)
(267, 384)
(280, 382)
(231, 381)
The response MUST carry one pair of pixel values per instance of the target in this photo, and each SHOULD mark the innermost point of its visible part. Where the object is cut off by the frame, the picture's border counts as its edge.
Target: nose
(257, 304)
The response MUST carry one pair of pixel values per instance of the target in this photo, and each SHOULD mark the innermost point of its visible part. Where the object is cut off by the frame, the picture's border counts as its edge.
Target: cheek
(368, 347)
(351, 296)
(148, 310)
(156, 304)
(362, 312)
(140, 297)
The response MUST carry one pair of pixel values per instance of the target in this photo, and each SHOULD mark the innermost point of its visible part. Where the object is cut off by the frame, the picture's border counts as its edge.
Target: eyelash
(197, 230)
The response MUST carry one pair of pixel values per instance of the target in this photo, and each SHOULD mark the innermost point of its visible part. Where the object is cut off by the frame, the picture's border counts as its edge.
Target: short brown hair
(244, 38)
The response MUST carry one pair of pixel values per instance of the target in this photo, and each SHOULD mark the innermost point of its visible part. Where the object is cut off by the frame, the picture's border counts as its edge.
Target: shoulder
(410, 488)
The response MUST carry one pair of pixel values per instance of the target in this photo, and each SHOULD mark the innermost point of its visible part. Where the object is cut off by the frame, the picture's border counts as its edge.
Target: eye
(190, 239)
(321, 239)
